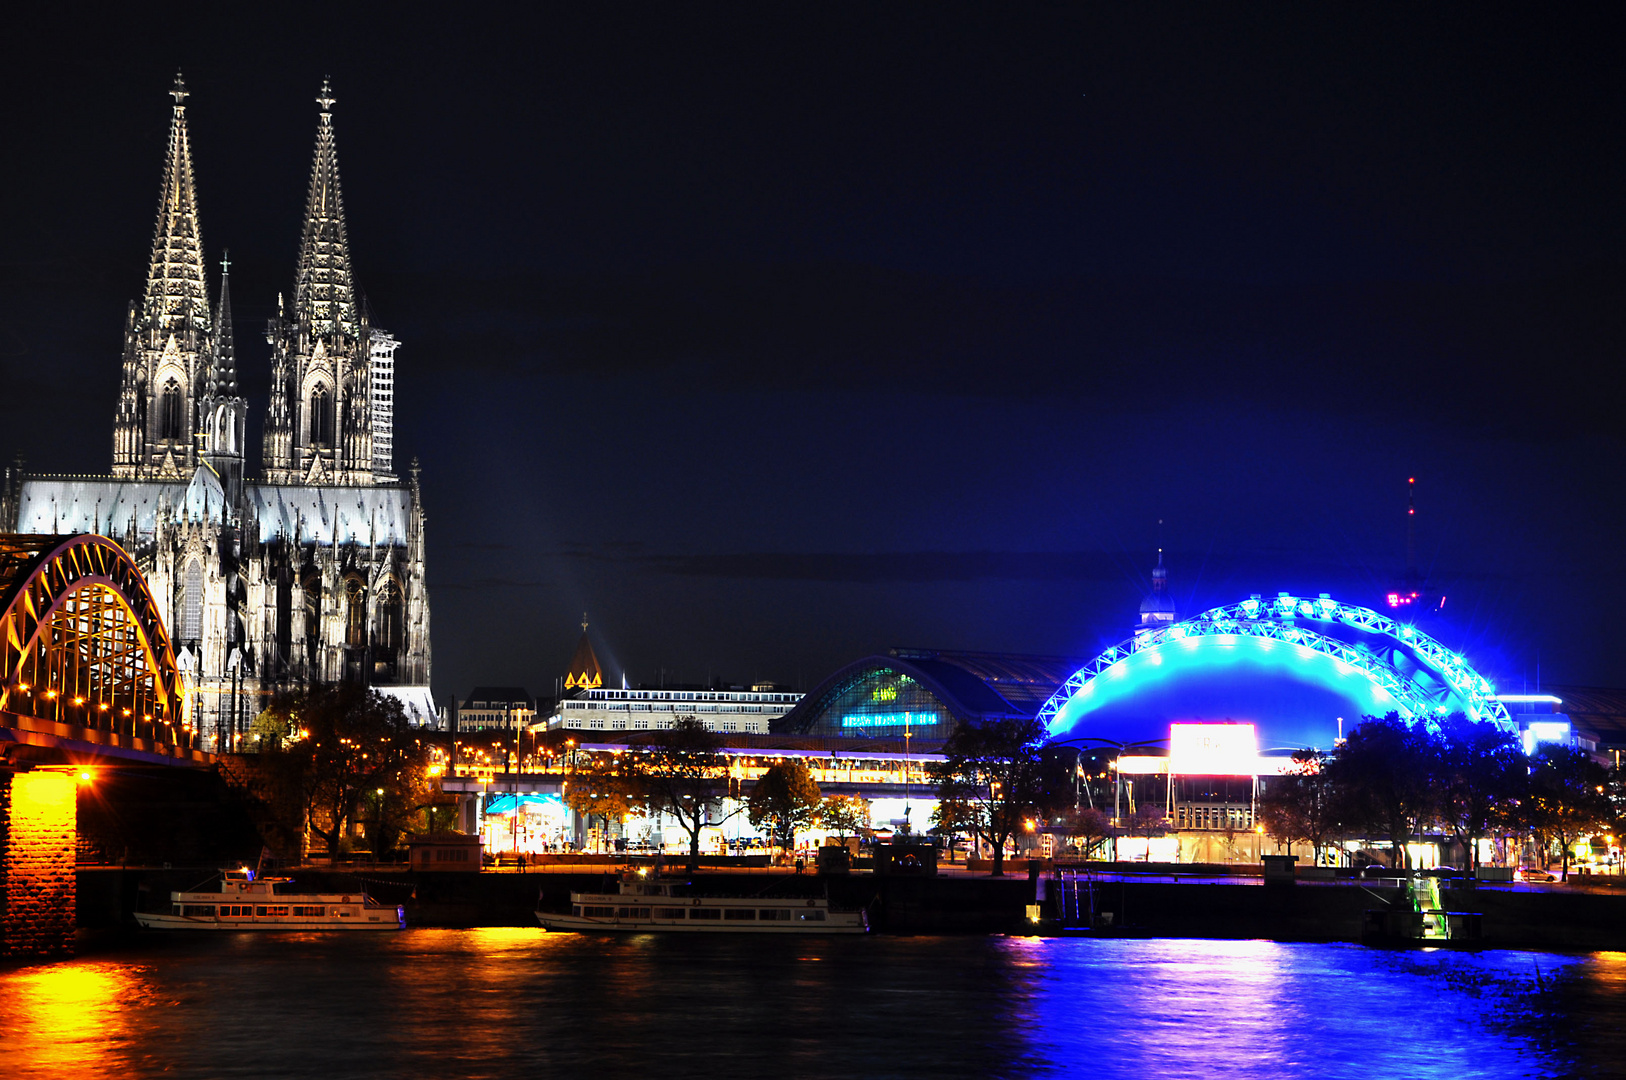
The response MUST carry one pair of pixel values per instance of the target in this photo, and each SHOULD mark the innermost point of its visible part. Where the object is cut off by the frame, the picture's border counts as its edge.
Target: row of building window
(247, 911)
(606, 911)
(599, 723)
(696, 695)
(1213, 817)
(603, 706)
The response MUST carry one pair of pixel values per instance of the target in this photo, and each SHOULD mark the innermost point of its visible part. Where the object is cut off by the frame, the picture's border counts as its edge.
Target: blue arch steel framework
(1278, 619)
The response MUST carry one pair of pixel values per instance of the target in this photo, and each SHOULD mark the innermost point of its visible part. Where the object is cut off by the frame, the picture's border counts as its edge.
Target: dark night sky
(778, 337)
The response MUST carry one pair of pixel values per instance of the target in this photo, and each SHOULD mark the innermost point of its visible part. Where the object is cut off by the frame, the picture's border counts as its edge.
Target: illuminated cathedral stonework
(316, 571)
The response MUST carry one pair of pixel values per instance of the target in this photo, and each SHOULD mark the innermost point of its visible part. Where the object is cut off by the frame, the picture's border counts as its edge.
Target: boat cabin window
(597, 911)
(199, 909)
(811, 916)
(669, 912)
(307, 911)
(705, 913)
(774, 914)
(632, 913)
(740, 913)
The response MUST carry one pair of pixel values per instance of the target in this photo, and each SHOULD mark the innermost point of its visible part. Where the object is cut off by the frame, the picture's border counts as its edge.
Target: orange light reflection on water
(68, 1017)
(488, 968)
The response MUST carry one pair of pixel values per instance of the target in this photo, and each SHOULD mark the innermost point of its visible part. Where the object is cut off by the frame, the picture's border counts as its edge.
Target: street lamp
(908, 733)
(378, 837)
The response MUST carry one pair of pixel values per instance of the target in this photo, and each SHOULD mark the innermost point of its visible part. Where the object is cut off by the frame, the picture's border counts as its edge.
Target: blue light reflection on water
(523, 1003)
(1176, 1008)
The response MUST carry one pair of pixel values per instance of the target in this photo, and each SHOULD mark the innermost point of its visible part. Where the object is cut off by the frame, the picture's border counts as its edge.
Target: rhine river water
(522, 1003)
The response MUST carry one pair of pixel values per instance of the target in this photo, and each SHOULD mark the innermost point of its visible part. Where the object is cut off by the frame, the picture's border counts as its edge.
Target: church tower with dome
(1157, 610)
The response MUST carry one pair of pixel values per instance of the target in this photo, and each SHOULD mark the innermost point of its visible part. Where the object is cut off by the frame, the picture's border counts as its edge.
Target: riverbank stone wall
(37, 837)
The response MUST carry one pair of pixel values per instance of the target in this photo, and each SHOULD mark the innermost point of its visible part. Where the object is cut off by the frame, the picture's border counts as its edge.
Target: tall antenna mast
(1411, 529)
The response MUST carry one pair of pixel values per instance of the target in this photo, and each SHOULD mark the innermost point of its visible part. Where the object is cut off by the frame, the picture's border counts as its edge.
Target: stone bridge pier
(38, 833)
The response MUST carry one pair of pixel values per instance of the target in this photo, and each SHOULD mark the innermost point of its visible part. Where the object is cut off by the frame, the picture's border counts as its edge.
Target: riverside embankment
(1559, 917)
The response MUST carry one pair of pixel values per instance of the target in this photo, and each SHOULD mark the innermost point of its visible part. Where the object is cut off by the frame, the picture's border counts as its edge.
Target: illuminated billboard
(890, 720)
(1213, 749)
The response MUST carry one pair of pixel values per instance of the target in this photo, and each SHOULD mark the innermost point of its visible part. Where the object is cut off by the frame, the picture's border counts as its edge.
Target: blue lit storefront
(529, 822)
(910, 700)
(919, 694)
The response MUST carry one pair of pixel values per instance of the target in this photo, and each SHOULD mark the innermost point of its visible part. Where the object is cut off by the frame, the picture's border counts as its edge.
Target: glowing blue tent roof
(506, 804)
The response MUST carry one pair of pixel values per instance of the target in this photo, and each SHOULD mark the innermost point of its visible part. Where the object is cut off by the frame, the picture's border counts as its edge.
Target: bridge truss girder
(82, 642)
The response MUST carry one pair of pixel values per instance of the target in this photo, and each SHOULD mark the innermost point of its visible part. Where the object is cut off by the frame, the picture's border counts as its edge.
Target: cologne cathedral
(313, 572)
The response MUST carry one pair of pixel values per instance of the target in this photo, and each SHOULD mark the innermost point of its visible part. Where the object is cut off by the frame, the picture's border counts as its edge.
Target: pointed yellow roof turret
(584, 673)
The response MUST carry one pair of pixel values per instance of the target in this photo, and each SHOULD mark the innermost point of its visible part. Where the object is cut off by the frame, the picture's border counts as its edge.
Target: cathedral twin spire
(169, 339)
(320, 426)
(323, 290)
(179, 403)
(176, 290)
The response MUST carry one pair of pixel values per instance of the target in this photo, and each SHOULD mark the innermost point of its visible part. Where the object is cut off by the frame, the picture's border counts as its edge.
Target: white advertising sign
(1213, 749)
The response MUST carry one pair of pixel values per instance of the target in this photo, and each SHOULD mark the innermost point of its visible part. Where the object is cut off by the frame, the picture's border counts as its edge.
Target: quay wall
(1546, 919)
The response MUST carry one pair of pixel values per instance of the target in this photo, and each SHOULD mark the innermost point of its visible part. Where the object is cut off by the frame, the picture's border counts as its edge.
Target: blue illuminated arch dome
(1290, 665)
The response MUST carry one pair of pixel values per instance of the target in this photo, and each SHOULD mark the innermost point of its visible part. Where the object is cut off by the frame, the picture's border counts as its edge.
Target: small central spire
(223, 361)
(584, 622)
(179, 92)
(325, 99)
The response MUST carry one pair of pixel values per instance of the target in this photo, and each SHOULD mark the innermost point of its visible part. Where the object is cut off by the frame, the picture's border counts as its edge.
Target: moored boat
(642, 906)
(247, 901)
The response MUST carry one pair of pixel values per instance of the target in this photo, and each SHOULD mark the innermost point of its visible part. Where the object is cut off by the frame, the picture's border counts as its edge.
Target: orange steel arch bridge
(87, 672)
(87, 679)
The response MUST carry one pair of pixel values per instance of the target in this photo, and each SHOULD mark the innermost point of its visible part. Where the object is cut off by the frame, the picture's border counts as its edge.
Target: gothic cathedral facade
(315, 571)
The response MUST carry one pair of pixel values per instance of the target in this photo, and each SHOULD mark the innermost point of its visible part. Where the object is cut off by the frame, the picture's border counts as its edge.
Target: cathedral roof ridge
(205, 497)
(83, 476)
(317, 513)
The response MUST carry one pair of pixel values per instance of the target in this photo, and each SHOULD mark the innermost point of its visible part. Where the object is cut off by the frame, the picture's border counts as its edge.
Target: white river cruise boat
(249, 902)
(642, 906)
